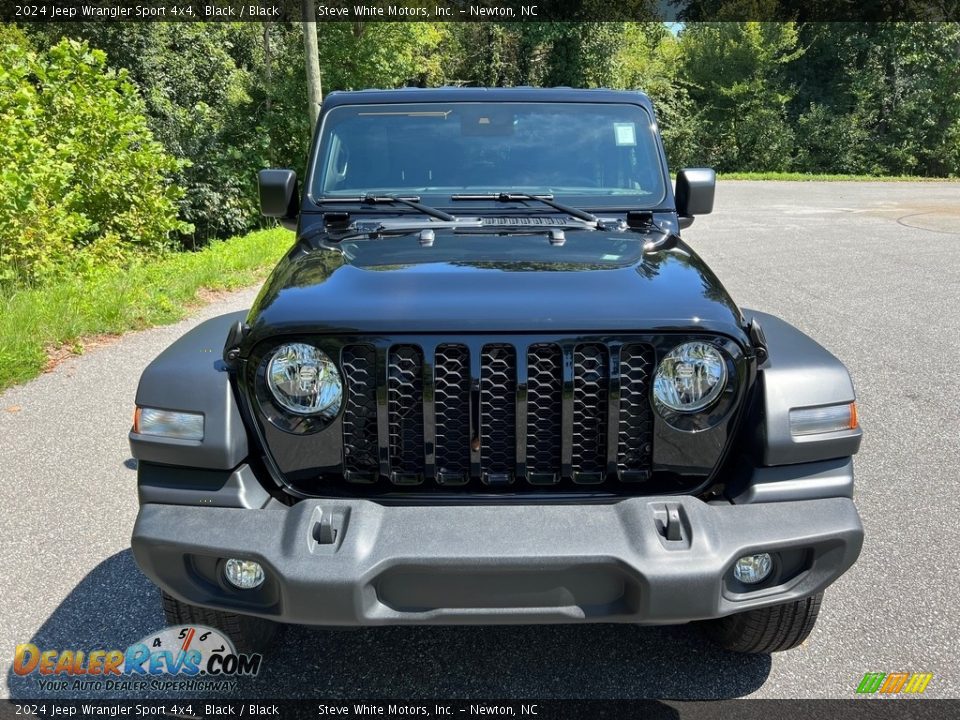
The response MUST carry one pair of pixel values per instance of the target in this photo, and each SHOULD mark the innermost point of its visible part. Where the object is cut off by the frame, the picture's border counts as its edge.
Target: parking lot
(870, 270)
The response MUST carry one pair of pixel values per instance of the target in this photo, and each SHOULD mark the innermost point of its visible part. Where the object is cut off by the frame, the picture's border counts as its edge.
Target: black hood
(596, 281)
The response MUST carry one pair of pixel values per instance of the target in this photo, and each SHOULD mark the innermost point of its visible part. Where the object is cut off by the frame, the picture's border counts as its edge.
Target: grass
(37, 323)
(827, 177)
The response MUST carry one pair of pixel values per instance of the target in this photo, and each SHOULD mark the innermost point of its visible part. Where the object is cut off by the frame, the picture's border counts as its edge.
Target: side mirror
(279, 196)
(694, 192)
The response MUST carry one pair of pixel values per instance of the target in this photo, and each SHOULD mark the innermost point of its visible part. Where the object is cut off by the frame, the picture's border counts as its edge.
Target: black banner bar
(865, 709)
(477, 10)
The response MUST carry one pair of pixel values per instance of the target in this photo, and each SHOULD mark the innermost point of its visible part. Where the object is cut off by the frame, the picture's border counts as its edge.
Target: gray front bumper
(495, 564)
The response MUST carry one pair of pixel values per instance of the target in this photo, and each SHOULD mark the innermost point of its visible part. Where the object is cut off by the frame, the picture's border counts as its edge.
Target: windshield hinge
(759, 341)
(335, 219)
(639, 219)
(231, 348)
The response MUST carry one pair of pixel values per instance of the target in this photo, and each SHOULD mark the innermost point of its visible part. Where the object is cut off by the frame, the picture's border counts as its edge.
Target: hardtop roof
(475, 94)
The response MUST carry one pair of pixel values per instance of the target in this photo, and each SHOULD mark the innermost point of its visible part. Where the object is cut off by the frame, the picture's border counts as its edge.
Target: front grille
(498, 413)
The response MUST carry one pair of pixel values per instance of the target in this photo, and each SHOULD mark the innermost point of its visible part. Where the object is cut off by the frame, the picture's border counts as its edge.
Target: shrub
(82, 180)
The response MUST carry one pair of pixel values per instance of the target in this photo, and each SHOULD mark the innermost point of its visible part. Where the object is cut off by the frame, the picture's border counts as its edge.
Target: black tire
(249, 634)
(768, 629)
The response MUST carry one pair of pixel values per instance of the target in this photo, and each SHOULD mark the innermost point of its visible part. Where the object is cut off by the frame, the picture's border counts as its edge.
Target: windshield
(606, 154)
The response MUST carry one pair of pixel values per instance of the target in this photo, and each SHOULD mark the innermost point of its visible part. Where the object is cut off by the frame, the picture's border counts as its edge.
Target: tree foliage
(736, 78)
(879, 98)
(194, 79)
(82, 179)
(361, 55)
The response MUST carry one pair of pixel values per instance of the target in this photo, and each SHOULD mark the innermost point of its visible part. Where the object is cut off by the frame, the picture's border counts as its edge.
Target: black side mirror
(279, 196)
(694, 192)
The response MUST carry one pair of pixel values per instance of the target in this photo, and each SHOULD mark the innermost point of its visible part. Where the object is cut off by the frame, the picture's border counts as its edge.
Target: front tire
(249, 634)
(767, 629)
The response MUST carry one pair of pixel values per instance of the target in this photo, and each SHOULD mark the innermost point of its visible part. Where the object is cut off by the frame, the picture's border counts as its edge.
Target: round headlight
(690, 377)
(304, 380)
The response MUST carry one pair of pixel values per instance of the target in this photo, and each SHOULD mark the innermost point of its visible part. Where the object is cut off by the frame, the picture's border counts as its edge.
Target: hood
(479, 282)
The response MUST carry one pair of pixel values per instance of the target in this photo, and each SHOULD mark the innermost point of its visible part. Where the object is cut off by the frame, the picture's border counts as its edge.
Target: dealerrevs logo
(185, 657)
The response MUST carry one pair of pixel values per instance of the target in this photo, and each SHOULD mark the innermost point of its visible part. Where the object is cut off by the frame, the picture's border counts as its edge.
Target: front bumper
(357, 562)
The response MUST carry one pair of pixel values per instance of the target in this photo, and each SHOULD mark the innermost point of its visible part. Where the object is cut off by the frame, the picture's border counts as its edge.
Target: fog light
(752, 569)
(244, 574)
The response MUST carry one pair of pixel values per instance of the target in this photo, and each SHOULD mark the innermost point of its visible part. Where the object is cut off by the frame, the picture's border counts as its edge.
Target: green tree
(380, 54)
(738, 86)
(879, 98)
(195, 80)
(82, 180)
(491, 54)
(583, 54)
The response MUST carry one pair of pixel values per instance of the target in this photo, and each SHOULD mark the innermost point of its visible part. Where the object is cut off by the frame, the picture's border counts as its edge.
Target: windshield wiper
(412, 202)
(545, 199)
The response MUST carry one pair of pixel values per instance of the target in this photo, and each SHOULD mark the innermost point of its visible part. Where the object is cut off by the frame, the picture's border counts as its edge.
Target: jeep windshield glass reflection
(573, 150)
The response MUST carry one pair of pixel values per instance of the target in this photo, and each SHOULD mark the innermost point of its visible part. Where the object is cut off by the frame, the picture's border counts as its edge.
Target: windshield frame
(596, 202)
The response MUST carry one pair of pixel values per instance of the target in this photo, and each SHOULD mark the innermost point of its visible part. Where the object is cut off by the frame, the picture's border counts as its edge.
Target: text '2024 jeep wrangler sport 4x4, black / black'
(489, 383)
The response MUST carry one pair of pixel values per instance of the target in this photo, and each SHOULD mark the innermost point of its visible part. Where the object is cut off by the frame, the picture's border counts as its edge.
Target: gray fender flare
(190, 375)
(799, 373)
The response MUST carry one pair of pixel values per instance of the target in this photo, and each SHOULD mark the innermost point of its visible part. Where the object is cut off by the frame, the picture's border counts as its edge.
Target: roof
(473, 94)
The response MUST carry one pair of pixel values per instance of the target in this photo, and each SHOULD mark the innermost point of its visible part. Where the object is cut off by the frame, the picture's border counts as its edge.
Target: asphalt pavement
(870, 270)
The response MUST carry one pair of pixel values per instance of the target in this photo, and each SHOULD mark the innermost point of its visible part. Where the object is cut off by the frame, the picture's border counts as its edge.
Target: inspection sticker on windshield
(626, 133)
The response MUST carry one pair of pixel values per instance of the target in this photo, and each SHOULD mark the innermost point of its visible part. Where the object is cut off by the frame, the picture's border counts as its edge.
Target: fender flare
(190, 375)
(799, 372)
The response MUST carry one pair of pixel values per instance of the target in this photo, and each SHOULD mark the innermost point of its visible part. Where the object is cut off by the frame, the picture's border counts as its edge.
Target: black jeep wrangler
(489, 383)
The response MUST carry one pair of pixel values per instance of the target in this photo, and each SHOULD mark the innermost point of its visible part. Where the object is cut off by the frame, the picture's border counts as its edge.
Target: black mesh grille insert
(405, 412)
(635, 439)
(591, 365)
(498, 393)
(360, 413)
(544, 411)
(608, 418)
(452, 411)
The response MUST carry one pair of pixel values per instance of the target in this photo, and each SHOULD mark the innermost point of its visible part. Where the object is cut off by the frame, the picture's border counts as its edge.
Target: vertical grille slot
(636, 417)
(452, 413)
(544, 410)
(498, 385)
(591, 365)
(360, 414)
(405, 414)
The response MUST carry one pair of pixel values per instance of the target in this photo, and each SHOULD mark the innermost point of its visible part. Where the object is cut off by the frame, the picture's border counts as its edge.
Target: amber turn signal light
(818, 420)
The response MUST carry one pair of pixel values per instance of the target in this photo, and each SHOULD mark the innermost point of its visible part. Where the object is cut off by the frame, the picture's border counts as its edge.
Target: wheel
(249, 634)
(768, 629)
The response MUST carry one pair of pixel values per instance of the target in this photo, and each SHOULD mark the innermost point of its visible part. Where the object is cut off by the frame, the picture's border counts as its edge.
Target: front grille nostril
(635, 438)
(591, 366)
(544, 410)
(498, 397)
(360, 414)
(452, 410)
(405, 410)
